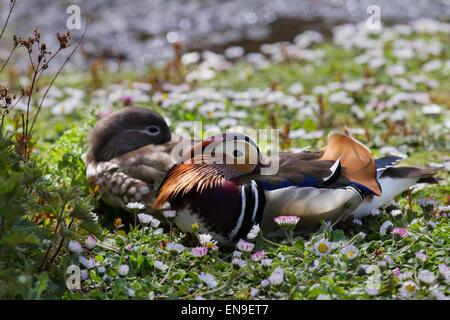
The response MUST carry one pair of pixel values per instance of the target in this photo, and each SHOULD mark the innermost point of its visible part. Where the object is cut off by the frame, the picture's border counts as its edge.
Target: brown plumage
(129, 155)
(355, 158)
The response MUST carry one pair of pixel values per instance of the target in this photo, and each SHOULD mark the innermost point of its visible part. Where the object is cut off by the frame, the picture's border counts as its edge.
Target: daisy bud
(399, 233)
(287, 222)
(199, 252)
(245, 246)
(421, 257)
(195, 227)
(258, 256)
(123, 270)
(90, 242)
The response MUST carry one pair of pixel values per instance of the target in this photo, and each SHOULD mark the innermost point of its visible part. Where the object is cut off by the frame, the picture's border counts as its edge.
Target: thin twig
(7, 59)
(11, 7)
(56, 75)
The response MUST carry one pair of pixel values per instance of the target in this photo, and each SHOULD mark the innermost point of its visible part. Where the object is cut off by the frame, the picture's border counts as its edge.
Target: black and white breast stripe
(253, 202)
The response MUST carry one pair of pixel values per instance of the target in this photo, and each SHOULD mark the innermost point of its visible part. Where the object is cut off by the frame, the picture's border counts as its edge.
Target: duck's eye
(237, 153)
(153, 130)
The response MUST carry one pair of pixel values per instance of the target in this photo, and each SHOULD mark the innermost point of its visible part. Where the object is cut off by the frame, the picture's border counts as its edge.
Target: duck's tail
(394, 181)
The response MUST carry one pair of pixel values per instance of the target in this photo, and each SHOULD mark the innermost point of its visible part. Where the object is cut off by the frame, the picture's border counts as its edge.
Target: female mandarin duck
(129, 155)
(219, 185)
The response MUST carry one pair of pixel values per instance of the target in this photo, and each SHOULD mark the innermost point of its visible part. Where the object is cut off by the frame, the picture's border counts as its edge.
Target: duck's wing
(360, 165)
(133, 176)
(294, 170)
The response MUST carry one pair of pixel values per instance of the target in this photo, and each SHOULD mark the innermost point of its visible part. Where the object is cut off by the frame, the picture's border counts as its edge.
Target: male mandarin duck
(219, 185)
(129, 154)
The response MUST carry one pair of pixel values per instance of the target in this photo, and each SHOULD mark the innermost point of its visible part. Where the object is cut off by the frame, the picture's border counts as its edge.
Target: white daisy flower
(160, 266)
(408, 289)
(444, 270)
(204, 238)
(265, 283)
(123, 270)
(266, 262)
(323, 247)
(426, 276)
(155, 223)
(208, 279)
(421, 257)
(372, 291)
(277, 276)
(75, 246)
(254, 232)
(169, 214)
(90, 242)
(386, 227)
(174, 248)
(135, 205)
(350, 251)
(84, 274)
(396, 213)
(238, 262)
(88, 263)
(296, 88)
(145, 218)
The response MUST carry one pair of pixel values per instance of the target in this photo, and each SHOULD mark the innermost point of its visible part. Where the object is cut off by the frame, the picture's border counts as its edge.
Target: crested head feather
(186, 177)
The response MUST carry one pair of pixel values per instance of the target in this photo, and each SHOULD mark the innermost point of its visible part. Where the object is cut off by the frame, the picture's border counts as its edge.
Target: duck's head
(126, 130)
(209, 164)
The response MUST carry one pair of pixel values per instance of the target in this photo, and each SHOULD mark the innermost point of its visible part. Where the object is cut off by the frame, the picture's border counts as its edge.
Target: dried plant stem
(11, 7)
(7, 59)
(55, 76)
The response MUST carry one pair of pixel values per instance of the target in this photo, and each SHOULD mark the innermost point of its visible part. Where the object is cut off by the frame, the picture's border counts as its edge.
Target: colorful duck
(220, 186)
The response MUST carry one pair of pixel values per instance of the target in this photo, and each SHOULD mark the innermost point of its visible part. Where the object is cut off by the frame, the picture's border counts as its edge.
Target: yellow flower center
(350, 254)
(323, 248)
(209, 245)
(410, 287)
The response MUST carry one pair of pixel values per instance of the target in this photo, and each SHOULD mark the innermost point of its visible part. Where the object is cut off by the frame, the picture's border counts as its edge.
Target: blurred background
(133, 33)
